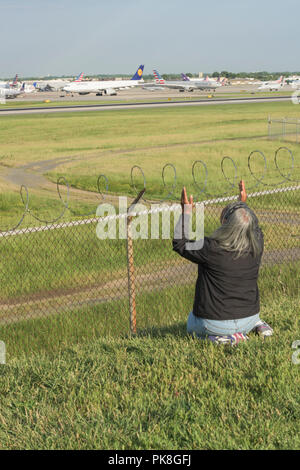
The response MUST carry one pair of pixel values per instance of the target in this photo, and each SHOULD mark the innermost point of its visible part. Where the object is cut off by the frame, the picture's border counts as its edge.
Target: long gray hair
(238, 232)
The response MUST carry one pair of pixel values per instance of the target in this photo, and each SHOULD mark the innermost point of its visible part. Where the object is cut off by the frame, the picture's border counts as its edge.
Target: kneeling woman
(226, 304)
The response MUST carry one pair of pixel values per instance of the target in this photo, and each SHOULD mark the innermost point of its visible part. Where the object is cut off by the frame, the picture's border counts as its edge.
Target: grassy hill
(161, 390)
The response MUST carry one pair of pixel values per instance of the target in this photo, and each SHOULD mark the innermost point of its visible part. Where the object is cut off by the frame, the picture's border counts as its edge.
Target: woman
(226, 304)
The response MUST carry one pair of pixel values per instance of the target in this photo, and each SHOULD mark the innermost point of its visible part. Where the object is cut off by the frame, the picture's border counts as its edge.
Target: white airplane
(272, 86)
(29, 88)
(206, 79)
(13, 84)
(55, 84)
(206, 83)
(105, 87)
(181, 85)
(6, 92)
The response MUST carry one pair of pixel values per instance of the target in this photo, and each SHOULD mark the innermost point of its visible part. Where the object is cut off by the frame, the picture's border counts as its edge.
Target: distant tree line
(263, 75)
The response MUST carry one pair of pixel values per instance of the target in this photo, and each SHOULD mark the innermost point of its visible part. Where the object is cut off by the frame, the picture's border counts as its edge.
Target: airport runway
(133, 99)
(159, 104)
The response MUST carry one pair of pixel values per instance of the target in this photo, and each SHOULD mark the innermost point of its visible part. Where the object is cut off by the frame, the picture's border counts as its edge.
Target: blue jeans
(203, 327)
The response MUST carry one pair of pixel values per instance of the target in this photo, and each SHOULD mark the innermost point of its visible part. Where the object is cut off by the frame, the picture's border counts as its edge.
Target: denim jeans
(203, 327)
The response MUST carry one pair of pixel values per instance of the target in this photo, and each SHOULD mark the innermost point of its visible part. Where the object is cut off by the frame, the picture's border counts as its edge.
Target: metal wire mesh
(61, 283)
(287, 129)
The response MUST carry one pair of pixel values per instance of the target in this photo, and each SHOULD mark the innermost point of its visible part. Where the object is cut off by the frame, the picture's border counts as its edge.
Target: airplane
(181, 85)
(55, 84)
(10, 93)
(10, 85)
(207, 81)
(30, 88)
(15, 81)
(272, 86)
(105, 87)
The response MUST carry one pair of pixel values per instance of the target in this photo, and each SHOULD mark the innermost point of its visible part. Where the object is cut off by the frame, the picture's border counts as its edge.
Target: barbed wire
(138, 182)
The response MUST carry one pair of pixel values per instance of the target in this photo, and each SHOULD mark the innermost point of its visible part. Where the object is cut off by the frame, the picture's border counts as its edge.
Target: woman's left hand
(187, 205)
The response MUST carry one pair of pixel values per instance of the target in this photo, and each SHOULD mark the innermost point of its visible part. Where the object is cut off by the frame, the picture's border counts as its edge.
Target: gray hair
(238, 232)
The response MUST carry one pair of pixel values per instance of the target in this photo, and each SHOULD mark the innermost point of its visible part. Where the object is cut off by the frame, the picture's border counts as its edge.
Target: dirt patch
(32, 174)
(63, 300)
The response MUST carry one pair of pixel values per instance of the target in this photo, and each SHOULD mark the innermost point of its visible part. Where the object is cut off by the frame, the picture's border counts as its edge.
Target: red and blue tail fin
(15, 81)
(139, 73)
(79, 77)
(158, 77)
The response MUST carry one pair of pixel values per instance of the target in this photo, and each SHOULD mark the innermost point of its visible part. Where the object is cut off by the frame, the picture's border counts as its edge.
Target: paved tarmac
(137, 98)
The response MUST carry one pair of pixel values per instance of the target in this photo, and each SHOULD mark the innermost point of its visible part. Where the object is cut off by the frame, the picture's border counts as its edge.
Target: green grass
(113, 142)
(39, 137)
(152, 161)
(60, 325)
(43, 208)
(159, 390)
(73, 258)
(74, 377)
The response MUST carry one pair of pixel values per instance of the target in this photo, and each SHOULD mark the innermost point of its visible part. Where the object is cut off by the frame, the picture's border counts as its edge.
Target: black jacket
(226, 288)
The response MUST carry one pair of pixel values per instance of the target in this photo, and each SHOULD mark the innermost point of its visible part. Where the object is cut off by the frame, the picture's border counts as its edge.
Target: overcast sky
(61, 37)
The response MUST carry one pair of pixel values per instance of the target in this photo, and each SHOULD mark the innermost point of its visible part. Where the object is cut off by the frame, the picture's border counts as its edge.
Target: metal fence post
(269, 127)
(131, 278)
(130, 268)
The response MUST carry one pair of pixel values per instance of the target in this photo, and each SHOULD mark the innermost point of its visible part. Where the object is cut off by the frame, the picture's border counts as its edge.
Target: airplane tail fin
(79, 77)
(158, 77)
(22, 89)
(280, 79)
(184, 77)
(15, 82)
(34, 84)
(139, 73)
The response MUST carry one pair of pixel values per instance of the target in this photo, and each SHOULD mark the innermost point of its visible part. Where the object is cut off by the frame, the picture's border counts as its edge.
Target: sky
(66, 37)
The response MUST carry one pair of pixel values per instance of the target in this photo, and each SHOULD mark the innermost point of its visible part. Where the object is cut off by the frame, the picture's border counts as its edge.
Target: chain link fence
(287, 129)
(62, 283)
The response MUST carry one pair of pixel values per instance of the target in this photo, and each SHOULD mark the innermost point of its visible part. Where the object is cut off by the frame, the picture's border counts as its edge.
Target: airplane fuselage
(105, 86)
(190, 86)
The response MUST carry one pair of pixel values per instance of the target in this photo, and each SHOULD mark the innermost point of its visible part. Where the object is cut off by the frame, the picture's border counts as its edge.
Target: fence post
(269, 127)
(130, 268)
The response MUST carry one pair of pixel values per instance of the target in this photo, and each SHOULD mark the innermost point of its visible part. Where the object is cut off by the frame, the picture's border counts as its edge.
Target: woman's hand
(187, 205)
(242, 198)
(243, 194)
